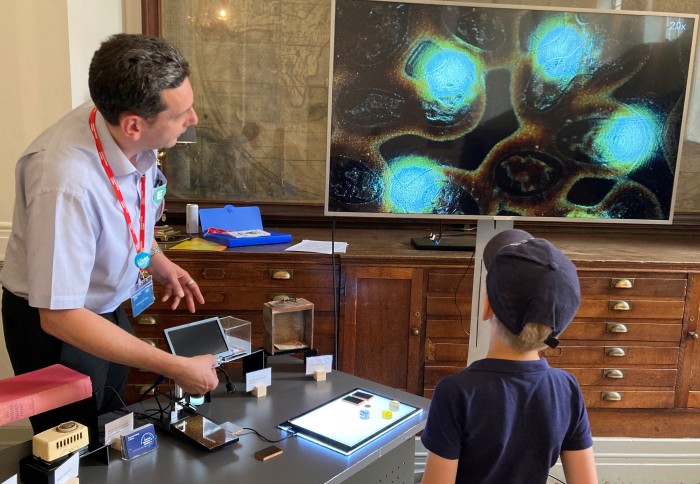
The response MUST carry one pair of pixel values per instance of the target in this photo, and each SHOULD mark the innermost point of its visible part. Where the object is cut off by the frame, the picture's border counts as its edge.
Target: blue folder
(234, 219)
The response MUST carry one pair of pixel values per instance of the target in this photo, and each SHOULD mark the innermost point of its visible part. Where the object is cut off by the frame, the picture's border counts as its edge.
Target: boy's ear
(486, 311)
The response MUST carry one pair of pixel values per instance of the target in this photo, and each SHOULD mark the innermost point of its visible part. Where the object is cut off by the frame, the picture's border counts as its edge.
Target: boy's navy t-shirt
(506, 421)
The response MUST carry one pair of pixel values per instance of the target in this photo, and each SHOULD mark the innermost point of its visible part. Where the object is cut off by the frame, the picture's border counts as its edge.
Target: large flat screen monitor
(451, 110)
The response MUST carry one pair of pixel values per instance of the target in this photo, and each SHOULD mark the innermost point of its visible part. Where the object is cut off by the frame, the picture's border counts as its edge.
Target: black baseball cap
(530, 281)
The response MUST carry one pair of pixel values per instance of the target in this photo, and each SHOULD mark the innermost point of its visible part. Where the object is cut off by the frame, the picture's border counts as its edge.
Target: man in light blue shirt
(88, 193)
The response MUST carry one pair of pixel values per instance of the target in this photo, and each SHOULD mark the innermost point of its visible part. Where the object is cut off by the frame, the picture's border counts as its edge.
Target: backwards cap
(530, 281)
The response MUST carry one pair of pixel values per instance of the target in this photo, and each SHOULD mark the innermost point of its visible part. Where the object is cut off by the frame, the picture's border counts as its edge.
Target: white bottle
(192, 219)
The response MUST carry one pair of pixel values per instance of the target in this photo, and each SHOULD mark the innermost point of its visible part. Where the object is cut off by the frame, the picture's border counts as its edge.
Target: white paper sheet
(318, 246)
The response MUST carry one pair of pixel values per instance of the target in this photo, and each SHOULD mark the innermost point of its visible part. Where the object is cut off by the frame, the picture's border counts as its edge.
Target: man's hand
(177, 282)
(197, 375)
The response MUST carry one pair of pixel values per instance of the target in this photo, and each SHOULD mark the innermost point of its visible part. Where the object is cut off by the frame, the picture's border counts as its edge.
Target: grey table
(388, 459)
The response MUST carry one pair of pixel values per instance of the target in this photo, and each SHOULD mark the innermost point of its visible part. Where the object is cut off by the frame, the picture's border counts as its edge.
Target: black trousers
(31, 348)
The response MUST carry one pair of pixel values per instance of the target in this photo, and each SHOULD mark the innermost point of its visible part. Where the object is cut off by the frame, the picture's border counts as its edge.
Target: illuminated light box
(455, 111)
(341, 424)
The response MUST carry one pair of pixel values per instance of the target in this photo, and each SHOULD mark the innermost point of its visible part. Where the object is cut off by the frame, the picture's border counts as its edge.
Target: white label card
(323, 362)
(68, 469)
(260, 377)
(118, 427)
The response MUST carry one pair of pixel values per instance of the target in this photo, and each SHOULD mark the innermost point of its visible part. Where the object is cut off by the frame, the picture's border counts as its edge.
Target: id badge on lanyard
(142, 295)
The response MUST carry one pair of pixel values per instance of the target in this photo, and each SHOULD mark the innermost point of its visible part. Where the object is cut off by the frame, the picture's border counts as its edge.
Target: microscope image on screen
(470, 111)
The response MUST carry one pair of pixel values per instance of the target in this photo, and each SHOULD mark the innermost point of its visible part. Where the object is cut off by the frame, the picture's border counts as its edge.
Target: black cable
(291, 434)
(470, 263)
(230, 384)
(557, 479)
(336, 289)
(158, 381)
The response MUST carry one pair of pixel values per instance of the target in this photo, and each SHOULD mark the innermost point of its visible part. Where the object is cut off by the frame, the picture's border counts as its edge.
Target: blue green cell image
(447, 79)
(561, 48)
(473, 111)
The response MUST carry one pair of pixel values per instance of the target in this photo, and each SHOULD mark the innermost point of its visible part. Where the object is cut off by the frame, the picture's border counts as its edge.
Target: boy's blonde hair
(531, 338)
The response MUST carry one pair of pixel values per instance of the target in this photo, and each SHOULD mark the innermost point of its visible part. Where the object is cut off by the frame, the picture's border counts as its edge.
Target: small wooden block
(319, 375)
(260, 390)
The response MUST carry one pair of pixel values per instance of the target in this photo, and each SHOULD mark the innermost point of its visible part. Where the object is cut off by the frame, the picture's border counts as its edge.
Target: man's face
(168, 125)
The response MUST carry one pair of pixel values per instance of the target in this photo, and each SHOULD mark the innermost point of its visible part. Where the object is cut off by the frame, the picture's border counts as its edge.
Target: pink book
(38, 391)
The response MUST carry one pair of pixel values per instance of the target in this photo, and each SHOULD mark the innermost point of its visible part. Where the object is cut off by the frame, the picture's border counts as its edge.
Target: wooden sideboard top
(645, 248)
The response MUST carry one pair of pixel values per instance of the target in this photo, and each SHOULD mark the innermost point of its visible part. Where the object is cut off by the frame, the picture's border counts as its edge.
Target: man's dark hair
(129, 72)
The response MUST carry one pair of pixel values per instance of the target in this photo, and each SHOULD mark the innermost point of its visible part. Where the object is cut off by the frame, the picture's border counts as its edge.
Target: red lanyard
(118, 192)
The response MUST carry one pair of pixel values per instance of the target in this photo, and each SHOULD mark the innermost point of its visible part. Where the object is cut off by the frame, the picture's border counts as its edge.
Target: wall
(45, 51)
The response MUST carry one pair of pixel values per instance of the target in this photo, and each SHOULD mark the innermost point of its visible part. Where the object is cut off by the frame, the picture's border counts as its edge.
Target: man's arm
(177, 282)
(579, 466)
(439, 470)
(95, 335)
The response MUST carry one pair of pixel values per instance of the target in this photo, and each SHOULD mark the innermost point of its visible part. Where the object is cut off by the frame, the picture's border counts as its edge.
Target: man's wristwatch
(156, 250)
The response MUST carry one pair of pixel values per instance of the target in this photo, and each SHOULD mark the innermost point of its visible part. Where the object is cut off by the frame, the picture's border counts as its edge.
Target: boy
(509, 417)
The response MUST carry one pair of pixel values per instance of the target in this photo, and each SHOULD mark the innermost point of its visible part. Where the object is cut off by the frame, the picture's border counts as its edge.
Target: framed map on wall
(260, 77)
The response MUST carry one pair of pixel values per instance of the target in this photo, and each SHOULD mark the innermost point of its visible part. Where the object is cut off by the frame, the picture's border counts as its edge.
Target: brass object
(146, 390)
(622, 283)
(275, 296)
(146, 320)
(613, 373)
(213, 273)
(415, 331)
(617, 328)
(281, 274)
(620, 305)
(429, 350)
(615, 351)
(611, 396)
(692, 335)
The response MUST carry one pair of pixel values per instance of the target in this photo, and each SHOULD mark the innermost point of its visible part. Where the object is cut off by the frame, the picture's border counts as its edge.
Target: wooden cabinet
(404, 316)
(447, 324)
(381, 325)
(624, 345)
(239, 284)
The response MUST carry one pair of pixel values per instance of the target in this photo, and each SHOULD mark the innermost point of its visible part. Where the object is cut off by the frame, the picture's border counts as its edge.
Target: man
(509, 417)
(88, 192)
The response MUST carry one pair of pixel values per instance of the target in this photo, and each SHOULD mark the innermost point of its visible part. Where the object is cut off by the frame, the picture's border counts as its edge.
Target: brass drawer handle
(280, 297)
(620, 305)
(621, 283)
(617, 328)
(613, 373)
(213, 273)
(611, 396)
(281, 274)
(146, 320)
(146, 390)
(692, 335)
(615, 351)
(149, 341)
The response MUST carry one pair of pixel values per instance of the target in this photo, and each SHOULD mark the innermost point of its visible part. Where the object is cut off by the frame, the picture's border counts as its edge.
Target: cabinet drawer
(451, 282)
(446, 351)
(612, 356)
(251, 299)
(631, 308)
(232, 274)
(628, 399)
(624, 330)
(434, 373)
(444, 305)
(624, 376)
(453, 329)
(621, 286)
